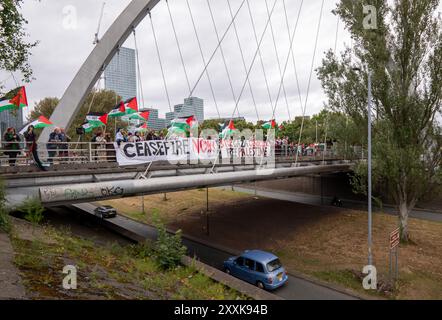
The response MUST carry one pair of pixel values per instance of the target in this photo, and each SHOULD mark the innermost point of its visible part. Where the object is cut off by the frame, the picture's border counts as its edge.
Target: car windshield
(274, 265)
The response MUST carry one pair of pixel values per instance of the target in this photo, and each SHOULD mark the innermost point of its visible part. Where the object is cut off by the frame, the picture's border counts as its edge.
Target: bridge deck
(59, 187)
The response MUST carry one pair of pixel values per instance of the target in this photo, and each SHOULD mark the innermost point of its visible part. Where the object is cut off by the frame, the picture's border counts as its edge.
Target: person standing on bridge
(110, 150)
(12, 145)
(119, 137)
(64, 146)
(52, 146)
(31, 145)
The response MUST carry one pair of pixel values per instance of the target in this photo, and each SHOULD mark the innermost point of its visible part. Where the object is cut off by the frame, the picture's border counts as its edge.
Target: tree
(404, 55)
(14, 49)
(44, 107)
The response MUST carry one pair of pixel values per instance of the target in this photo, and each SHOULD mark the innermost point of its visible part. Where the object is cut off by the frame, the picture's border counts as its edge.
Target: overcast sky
(64, 47)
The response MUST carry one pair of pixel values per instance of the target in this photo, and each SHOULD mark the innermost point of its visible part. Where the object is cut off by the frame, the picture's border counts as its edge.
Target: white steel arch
(101, 55)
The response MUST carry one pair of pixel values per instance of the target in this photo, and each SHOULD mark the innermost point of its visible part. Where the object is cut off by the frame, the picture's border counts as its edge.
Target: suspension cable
(15, 80)
(95, 92)
(260, 54)
(160, 62)
(140, 82)
(222, 52)
(249, 70)
(256, 54)
(243, 59)
(310, 78)
(291, 51)
(203, 58)
(217, 47)
(328, 113)
(281, 85)
(279, 63)
(178, 45)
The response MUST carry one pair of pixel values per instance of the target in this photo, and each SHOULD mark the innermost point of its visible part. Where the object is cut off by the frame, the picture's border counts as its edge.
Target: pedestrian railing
(15, 154)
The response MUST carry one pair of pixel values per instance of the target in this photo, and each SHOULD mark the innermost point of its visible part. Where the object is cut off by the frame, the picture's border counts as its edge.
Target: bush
(141, 250)
(5, 224)
(168, 249)
(33, 210)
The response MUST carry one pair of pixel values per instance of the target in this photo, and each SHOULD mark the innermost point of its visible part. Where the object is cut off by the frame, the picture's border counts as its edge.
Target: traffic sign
(394, 238)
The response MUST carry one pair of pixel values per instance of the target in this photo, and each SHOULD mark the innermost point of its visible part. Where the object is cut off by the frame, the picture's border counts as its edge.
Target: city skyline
(52, 79)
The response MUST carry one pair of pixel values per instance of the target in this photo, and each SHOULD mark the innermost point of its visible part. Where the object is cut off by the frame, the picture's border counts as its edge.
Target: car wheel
(227, 270)
(260, 285)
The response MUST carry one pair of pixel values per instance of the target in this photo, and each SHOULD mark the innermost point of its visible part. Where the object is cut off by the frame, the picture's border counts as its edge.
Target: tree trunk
(404, 210)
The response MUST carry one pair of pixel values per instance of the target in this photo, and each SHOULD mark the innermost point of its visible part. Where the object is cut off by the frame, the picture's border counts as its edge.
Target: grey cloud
(61, 52)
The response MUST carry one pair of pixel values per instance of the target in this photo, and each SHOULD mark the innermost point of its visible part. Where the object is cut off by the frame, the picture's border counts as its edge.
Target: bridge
(80, 174)
(77, 182)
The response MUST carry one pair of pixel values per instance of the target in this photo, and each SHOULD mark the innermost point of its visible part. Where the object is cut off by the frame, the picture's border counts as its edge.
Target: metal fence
(54, 153)
(19, 153)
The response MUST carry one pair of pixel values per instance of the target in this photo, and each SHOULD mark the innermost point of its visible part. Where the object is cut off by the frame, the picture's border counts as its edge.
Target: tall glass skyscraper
(192, 106)
(155, 122)
(121, 74)
(11, 118)
(195, 106)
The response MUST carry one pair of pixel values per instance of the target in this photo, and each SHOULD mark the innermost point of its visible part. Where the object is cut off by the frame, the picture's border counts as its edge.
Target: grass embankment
(326, 243)
(104, 272)
(178, 206)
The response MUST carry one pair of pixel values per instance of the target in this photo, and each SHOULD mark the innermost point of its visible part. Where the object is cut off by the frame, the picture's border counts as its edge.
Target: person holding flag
(28, 132)
(31, 144)
(14, 99)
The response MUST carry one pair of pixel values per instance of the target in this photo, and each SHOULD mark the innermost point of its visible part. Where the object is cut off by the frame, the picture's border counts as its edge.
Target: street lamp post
(370, 255)
(370, 220)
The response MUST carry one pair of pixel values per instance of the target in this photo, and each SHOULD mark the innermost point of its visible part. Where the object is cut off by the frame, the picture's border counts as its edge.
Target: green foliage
(14, 49)
(5, 224)
(404, 56)
(33, 210)
(168, 249)
(44, 107)
(141, 250)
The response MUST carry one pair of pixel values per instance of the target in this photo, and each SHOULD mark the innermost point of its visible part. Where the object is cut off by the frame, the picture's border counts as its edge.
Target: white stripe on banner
(191, 149)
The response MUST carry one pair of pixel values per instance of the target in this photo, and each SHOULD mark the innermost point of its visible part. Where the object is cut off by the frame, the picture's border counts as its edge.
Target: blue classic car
(257, 267)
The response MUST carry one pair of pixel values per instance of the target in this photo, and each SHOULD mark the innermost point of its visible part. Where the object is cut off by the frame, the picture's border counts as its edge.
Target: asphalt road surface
(316, 200)
(295, 289)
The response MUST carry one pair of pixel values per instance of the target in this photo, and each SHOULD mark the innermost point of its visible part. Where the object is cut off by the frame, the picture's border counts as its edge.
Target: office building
(192, 106)
(11, 118)
(169, 117)
(196, 106)
(121, 75)
(155, 122)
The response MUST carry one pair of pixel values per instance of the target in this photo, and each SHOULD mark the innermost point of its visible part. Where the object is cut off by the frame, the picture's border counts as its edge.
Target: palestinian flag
(40, 123)
(14, 99)
(228, 130)
(143, 116)
(131, 106)
(176, 131)
(88, 127)
(97, 119)
(142, 128)
(269, 125)
(118, 111)
(185, 123)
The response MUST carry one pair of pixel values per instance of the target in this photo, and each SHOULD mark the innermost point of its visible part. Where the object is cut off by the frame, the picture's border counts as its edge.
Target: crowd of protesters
(102, 145)
(285, 146)
(57, 146)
